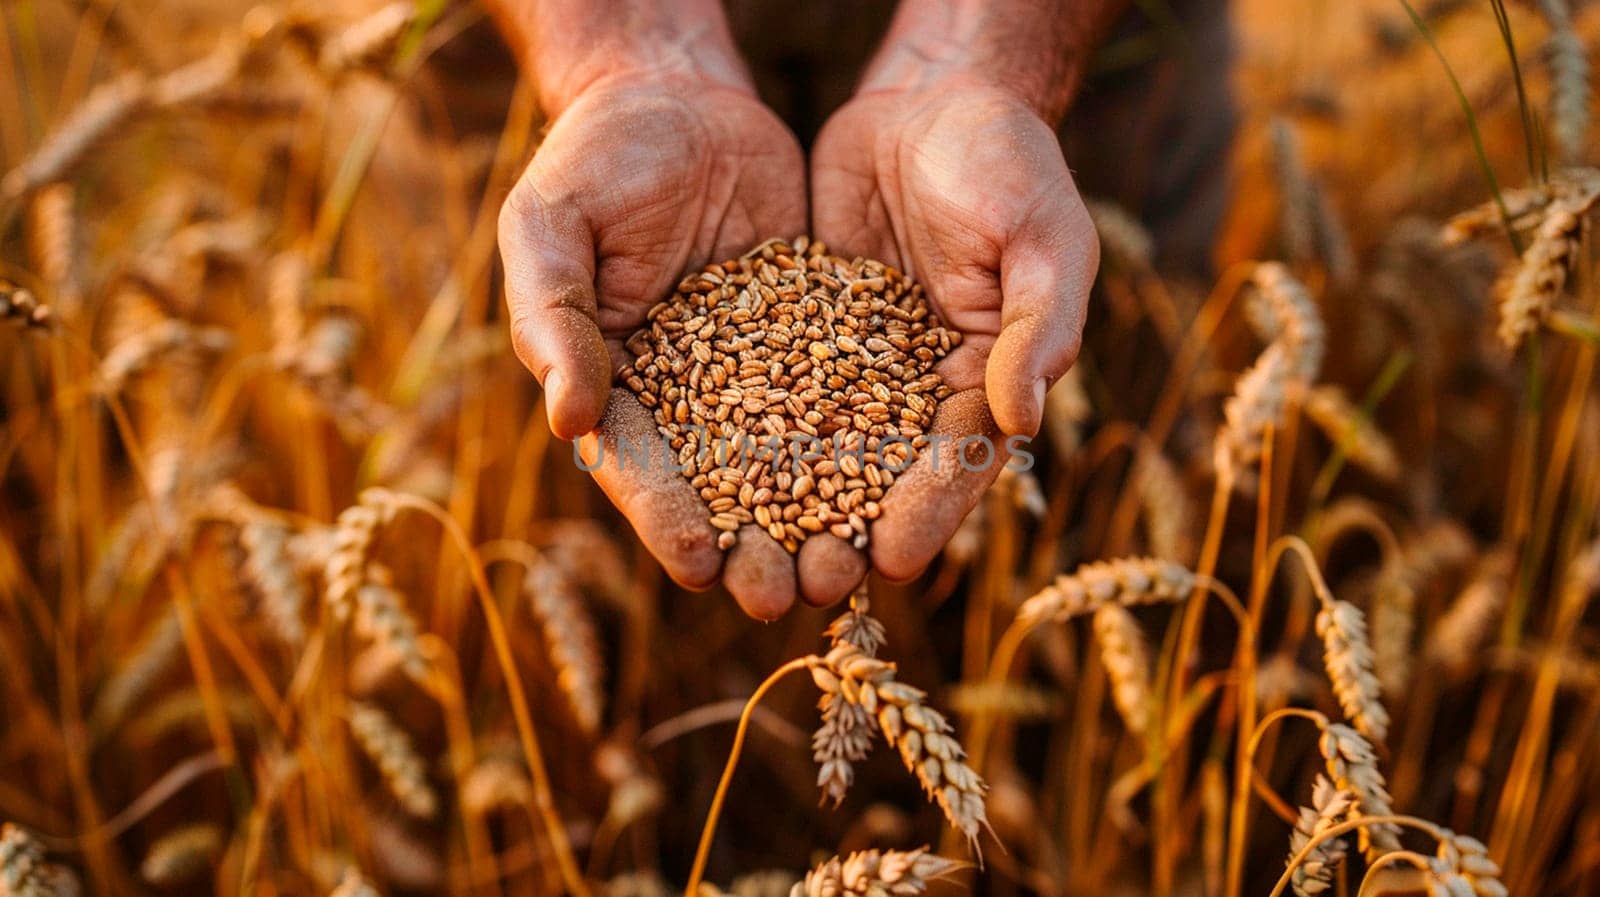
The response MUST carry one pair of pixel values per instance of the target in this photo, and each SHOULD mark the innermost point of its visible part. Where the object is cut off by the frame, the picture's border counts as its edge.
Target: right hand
(643, 176)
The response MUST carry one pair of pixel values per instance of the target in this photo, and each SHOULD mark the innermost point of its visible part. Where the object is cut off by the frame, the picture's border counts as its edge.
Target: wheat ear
(1568, 62)
(570, 634)
(391, 750)
(1530, 290)
(844, 737)
(23, 870)
(1282, 311)
(345, 568)
(383, 618)
(1353, 432)
(1454, 640)
(1127, 661)
(874, 873)
(921, 733)
(181, 854)
(1347, 655)
(1329, 807)
(1462, 868)
(353, 884)
(1126, 581)
(22, 306)
(1123, 238)
(1353, 767)
(1258, 403)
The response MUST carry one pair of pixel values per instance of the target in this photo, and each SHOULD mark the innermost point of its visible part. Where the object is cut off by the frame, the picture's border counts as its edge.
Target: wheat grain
(1126, 658)
(570, 635)
(1329, 807)
(391, 750)
(181, 854)
(919, 732)
(1353, 767)
(873, 873)
(791, 386)
(1347, 655)
(1127, 581)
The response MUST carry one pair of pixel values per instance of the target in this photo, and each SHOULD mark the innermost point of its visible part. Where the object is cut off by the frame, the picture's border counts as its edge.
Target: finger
(669, 517)
(830, 569)
(548, 254)
(760, 574)
(923, 507)
(1046, 270)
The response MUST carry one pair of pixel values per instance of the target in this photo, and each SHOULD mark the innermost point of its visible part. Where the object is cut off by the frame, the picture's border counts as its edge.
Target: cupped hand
(963, 185)
(642, 177)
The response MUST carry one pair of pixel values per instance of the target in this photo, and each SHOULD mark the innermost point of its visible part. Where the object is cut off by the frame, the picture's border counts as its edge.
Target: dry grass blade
(874, 873)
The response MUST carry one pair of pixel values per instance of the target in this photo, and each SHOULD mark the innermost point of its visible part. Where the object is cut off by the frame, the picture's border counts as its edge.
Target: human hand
(645, 174)
(961, 183)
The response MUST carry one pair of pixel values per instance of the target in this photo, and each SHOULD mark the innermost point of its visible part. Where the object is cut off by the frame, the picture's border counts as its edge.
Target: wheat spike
(1568, 62)
(391, 750)
(1353, 432)
(874, 873)
(639, 883)
(182, 854)
(1123, 238)
(270, 573)
(104, 110)
(635, 792)
(1282, 311)
(1167, 510)
(1522, 204)
(367, 42)
(764, 883)
(136, 354)
(844, 737)
(919, 732)
(1329, 807)
(156, 648)
(1529, 291)
(382, 617)
(1454, 640)
(1066, 409)
(1127, 661)
(1127, 581)
(345, 567)
(1348, 657)
(1310, 225)
(1394, 602)
(1353, 767)
(52, 245)
(495, 783)
(1257, 404)
(353, 884)
(1462, 868)
(570, 635)
(1011, 700)
(24, 872)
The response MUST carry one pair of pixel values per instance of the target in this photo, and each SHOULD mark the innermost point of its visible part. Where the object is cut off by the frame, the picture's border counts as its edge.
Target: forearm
(568, 45)
(1034, 48)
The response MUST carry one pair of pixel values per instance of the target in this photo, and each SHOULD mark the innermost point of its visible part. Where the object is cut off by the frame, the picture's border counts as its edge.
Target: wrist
(570, 46)
(1032, 50)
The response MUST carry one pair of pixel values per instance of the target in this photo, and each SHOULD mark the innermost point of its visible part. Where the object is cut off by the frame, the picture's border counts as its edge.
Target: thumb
(1046, 270)
(548, 253)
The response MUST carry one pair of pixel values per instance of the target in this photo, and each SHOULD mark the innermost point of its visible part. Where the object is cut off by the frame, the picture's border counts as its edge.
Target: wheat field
(299, 595)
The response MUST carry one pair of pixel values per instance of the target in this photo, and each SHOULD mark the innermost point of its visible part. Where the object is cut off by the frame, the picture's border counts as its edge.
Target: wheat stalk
(874, 873)
(570, 634)
(391, 750)
(1347, 656)
(1329, 807)
(1127, 581)
(493, 783)
(1127, 661)
(181, 854)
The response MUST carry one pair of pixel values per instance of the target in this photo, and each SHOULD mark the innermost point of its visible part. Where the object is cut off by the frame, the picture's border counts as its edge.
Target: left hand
(961, 184)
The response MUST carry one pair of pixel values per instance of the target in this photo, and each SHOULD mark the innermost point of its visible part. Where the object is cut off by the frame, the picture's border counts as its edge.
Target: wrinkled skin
(643, 177)
(964, 186)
